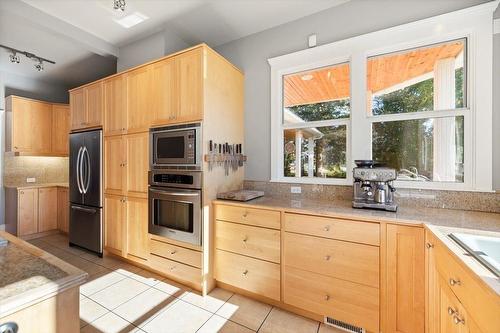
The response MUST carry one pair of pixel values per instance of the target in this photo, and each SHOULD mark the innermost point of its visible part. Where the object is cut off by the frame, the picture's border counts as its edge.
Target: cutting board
(240, 195)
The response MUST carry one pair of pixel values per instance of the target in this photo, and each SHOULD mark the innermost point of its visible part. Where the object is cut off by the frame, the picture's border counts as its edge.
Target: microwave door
(170, 148)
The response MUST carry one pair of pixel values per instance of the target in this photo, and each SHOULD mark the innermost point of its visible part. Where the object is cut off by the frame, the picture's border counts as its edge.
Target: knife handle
(211, 145)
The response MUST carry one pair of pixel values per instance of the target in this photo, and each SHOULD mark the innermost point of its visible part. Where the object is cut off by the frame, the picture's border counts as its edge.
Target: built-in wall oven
(175, 205)
(177, 146)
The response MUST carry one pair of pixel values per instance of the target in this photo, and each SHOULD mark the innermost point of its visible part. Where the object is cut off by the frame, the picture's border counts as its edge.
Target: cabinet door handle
(245, 272)
(173, 252)
(429, 245)
(326, 228)
(245, 239)
(457, 320)
(327, 297)
(451, 311)
(328, 257)
(454, 282)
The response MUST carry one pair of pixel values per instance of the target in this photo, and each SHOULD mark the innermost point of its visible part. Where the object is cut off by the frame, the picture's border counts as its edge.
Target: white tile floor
(119, 298)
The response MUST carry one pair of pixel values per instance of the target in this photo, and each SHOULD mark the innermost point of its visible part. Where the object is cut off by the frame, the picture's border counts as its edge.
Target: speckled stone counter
(36, 185)
(405, 215)
(29, 275)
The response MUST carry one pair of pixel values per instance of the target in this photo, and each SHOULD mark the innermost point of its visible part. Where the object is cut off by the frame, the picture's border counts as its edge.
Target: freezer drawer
(85, 227)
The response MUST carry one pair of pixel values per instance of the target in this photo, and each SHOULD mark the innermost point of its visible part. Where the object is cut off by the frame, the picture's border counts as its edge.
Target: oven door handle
(175, 193)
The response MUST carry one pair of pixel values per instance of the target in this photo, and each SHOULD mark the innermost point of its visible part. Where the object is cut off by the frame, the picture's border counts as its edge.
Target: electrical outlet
(31, 180)
(296, 189)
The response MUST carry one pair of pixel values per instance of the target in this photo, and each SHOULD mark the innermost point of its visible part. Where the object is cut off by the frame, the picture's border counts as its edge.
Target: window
(409, 84)
(316, 106)
(417, 97)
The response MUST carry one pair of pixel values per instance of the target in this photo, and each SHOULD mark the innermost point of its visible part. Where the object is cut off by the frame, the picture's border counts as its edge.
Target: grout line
(272, 308)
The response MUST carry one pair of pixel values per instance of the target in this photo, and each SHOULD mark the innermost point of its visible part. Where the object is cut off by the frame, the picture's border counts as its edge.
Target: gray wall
(153, 47)
(351, 19)
(11, 84)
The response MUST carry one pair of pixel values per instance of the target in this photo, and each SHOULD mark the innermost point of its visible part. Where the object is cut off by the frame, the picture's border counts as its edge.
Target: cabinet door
(190, 85)
(139, 111)
(27, 212)
(137, 165)
(452, 316)
(21, 125)
(63, 209)
(47, 209)
(114, 106)
(114, 222)
(114, 164)
(41, 127)
(137, 228)
(164, 100)
(60, 129)
(78, 108)
(94, 104)
(405, 279)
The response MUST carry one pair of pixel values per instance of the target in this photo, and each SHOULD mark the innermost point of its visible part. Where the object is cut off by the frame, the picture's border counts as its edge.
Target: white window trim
(474, 23)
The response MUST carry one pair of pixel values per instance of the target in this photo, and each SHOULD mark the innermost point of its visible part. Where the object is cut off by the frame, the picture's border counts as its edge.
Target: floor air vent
(343, 326)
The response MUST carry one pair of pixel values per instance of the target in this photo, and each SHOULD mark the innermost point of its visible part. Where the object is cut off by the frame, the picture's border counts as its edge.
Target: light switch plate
(31, 180)
(296, 189)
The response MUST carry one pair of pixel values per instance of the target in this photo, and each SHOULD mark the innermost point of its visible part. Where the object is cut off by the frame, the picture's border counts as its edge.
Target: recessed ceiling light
(131, 20)
(306, 77)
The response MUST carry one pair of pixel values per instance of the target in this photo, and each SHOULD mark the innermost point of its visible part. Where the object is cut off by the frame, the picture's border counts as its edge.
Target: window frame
(477, 113)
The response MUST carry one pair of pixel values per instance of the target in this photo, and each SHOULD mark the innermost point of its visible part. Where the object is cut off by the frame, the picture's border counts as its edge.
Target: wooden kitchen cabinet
(41, 127)
(164, 98)
(114, 164)
(27, 210)
(86, 105)
(63, 209)
(114, 223)
(136, 164)
(405, 279)
(137, 228)
(60, 129)
(189, 66)
(115, 120)
(47, 209)
(138, 97)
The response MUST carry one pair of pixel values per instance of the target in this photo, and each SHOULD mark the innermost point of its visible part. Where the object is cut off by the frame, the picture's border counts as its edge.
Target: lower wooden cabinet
(405, 279)
(114, 223)
(137, 228)
(47, 209)
(27, 210)
(63, 209)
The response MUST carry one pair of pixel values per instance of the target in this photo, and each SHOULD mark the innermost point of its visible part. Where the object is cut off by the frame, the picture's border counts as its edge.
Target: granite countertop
(36, 185)
(404, 215)
(30, 275)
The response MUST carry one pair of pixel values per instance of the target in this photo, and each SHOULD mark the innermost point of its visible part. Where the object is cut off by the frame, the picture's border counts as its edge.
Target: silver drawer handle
(173, 252)
(327, 258)
(458, 320)
(326, 228)
(245, 214)
(454, 282)
(245, 239)
(451, 311)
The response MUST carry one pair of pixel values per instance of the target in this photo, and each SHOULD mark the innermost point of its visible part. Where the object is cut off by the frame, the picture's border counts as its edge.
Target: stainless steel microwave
(176, 147)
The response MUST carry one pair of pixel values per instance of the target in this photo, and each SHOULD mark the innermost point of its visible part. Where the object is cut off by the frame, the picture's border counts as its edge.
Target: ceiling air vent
(343, 326)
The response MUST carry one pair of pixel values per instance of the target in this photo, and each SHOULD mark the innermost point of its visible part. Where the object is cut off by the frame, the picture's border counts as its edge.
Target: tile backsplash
(477, 201)
(44, 169)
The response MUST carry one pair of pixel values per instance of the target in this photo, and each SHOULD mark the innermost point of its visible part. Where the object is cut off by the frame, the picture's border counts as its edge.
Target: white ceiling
(213, 21)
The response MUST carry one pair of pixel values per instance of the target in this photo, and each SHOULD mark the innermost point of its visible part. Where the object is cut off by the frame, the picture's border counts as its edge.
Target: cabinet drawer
(353, 231)
(176, 253)
(257, 276)
(343, 300)
(480, 303)
(251, 241)
(344, 260)
(251, 216)
(175, 269)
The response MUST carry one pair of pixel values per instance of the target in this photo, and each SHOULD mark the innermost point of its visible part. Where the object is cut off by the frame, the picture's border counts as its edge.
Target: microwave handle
(173, 193)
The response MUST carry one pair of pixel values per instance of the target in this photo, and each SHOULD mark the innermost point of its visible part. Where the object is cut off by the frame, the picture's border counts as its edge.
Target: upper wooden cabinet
(139, 112)
(36, 128)
(190, 80)
(114, 106)
(164, 101)
(86, 106)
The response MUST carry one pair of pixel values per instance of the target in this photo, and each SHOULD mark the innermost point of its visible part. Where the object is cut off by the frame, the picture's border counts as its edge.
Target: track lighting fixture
(15, 58)
(119, 5)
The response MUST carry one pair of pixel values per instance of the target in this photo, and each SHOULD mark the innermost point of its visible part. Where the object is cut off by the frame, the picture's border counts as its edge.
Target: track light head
(39, 65)
(119, 5)
(14, 58)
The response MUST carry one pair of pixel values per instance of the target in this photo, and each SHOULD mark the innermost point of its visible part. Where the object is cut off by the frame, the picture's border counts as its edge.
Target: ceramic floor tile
(280, 321)
(118, 293)
(90, 311)
(109, 323)
(147, 277)
(142, 308)
(222, 325)
(328, 329)
(180, 317)
(106, 261)
(172, 288)
(100, 281)
(245, 311)
(212, 302)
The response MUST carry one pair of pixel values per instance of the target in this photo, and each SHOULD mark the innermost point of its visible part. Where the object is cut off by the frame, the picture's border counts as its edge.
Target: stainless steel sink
(485, 249)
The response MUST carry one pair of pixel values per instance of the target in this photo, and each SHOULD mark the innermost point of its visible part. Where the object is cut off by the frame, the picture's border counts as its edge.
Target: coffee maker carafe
(373, 186)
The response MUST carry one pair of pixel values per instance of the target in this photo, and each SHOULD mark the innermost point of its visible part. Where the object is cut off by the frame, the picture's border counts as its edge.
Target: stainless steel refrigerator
(85, 191)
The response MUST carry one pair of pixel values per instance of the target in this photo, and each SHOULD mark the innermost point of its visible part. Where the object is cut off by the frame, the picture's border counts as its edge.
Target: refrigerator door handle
(80, 167)
(78, 170)
(86, 210)
(88, 169)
